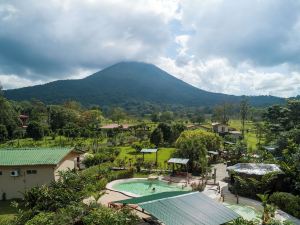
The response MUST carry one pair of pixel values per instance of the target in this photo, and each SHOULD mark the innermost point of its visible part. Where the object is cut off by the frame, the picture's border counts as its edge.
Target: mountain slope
(129, 82)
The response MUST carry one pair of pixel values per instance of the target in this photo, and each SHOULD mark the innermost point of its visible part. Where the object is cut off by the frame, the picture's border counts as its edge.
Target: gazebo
(213, 154)
(150, 150)
(180, 161)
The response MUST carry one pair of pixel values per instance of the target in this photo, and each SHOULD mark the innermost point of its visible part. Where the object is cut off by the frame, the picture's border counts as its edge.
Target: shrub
(98, 158)
(42, 218)
(137, 146)
(98, 171)
(95, 187)
(7, 221)
(250, 186)
(122, 174)
(241, 221)
(104, 216)
(287, 202)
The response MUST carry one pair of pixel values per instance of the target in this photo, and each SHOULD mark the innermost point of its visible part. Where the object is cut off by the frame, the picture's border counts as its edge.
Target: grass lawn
(127, 153)
(250, 136)
(6, 211)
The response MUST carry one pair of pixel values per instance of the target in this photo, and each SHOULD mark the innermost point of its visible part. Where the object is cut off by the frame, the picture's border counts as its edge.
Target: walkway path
(221, 171)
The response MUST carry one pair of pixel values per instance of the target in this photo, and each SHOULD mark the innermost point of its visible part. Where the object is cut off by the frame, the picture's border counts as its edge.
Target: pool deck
(211, 191)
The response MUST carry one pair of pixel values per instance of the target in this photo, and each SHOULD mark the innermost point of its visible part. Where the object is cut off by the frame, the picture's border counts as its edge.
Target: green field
(250, 136)
(164, 154)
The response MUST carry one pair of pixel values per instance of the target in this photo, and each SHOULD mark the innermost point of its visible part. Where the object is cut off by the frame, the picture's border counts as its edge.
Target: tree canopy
(194, 144)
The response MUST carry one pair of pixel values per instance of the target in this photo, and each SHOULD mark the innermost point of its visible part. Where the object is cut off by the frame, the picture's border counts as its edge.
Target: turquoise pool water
(145, 187)
(246, 212)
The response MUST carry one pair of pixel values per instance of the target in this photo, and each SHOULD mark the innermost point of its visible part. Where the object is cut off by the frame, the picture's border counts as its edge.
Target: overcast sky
(249, 47)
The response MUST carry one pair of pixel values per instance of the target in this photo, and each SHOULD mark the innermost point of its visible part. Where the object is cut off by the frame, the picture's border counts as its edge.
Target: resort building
(220, 128)
(22, 169)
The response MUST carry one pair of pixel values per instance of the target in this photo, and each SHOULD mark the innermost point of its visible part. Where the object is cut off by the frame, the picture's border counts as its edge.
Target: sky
(240, 47)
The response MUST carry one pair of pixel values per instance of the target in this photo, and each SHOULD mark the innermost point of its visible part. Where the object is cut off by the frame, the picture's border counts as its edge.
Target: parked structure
(22, 169)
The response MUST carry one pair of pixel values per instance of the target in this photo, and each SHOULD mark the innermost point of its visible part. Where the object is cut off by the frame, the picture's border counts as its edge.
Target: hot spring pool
(246, 212)
(142, 187)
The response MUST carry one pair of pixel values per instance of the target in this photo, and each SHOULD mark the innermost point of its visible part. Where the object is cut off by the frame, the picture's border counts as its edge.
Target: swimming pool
(142, 187)
(246, 212)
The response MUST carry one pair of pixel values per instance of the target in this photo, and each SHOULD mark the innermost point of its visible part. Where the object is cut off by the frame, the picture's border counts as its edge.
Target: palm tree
(269, 210)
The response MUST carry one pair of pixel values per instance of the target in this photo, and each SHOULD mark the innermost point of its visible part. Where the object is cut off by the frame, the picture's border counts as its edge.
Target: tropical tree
(8, 116)
(198, 118)
(91, 118)
(156, 137)
(61, 116)
(117, 114)
(293, 114)
(244, 108)
(166, 116)
(259, 131)
(155, 117)
(194, 144)
(166, 130)
(269, 210)
(221, 113)
(35, 130)
(3, 133)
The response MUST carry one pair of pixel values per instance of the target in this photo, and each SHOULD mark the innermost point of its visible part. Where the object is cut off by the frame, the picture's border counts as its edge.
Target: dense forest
(176, 130)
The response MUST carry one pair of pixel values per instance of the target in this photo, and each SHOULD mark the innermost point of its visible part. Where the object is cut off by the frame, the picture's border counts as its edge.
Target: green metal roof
(153, 197)
(32, 156)
(189, 209)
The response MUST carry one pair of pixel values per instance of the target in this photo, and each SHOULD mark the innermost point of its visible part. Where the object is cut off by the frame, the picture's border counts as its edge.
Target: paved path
(221, 171)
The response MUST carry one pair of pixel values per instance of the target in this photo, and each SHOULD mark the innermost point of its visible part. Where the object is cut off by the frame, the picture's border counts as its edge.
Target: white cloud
(14, 81)
(59, 37)
(218, 75)
(265, 33)
(235, 47)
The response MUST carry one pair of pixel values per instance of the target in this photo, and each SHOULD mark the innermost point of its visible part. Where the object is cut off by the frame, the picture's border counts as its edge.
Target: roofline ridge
(176, 196)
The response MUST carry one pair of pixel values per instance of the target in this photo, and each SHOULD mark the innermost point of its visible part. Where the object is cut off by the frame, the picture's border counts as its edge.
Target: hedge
(287, 202)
